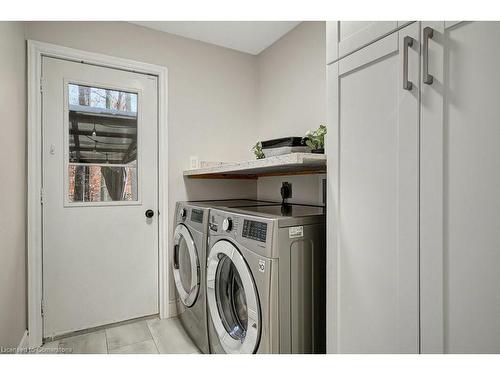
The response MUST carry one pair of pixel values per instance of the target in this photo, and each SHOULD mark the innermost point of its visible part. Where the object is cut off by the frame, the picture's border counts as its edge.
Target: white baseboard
(172, 308)
(23, 344)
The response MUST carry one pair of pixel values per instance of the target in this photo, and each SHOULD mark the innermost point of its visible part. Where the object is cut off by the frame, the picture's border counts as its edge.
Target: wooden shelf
(290, 164)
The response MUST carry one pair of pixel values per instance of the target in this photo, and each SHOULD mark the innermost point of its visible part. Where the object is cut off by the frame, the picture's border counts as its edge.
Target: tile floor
(141, 337)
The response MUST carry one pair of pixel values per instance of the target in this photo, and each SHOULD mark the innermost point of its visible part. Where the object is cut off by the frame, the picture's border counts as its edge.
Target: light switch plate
(194, 162)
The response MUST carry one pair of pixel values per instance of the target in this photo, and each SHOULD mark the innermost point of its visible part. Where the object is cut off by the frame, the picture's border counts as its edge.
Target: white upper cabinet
(345, 37)
(460, 189)
(372, 152)
(356, 34)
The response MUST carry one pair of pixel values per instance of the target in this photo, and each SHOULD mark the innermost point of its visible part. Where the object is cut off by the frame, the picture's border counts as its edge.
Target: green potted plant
(316, 140)
(257, 150)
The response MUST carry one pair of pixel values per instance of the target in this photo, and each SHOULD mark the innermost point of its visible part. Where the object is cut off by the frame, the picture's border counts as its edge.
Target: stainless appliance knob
(227, 224)
(182, 213)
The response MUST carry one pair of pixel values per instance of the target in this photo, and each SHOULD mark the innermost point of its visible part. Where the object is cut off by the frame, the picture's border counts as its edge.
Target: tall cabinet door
(372, 152)
(460, 189)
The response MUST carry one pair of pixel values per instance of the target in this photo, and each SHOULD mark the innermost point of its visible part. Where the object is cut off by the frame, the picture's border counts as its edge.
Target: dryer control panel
(197, 215)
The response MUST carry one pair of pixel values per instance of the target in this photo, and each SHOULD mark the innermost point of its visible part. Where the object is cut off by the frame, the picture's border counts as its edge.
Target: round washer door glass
(186, 266)
(232, 299)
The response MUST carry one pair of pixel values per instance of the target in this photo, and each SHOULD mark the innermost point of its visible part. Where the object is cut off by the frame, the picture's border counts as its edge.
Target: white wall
(291, 97)
(305, 188)
(211, 97)
(216, 100)
(13, 184)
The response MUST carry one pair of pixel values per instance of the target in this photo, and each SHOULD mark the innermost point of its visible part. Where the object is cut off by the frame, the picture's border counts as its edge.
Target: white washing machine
(266, 279)
(189, 264)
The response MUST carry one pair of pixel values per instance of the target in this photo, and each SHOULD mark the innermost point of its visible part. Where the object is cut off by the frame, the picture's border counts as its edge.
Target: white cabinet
(414, 193)
(345, 37)
(373, 163)
(460, 190)
(355, 34)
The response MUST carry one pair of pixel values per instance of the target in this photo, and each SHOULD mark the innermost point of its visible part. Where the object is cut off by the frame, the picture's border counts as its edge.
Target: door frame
(36, 51)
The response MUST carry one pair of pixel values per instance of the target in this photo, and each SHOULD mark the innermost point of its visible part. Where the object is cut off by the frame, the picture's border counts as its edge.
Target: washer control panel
(254, 230)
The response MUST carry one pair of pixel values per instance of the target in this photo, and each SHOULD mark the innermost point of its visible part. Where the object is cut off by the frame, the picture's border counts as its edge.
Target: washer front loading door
(232, 299)
(186, 266)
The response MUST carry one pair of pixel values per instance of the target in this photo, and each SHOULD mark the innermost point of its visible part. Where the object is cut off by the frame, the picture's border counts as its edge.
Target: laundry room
(304, 182)
(262, 148)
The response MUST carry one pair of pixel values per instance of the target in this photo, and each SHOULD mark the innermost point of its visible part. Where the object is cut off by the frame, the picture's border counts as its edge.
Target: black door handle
(150, 214)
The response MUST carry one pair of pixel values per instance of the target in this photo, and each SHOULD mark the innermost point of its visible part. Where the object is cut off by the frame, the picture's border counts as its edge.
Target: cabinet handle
(428, 34)
(407, 42)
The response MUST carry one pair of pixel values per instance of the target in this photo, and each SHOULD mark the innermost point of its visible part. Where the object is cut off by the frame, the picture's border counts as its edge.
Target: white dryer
(266, 280)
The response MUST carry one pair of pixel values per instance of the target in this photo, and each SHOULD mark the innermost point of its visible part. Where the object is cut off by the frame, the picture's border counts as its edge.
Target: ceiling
(246, 36)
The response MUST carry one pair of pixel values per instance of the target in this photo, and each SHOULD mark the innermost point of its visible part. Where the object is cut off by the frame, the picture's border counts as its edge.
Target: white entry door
(100, 196)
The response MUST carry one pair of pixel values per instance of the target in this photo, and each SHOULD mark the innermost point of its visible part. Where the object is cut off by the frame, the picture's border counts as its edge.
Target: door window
(102, 144)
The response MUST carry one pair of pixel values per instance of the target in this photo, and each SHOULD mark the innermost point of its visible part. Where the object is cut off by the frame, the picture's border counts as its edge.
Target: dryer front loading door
(186, 266)
(232, 299)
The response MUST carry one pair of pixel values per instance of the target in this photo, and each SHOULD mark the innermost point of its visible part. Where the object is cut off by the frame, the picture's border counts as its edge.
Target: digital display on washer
(255, 230)
(197, 215)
